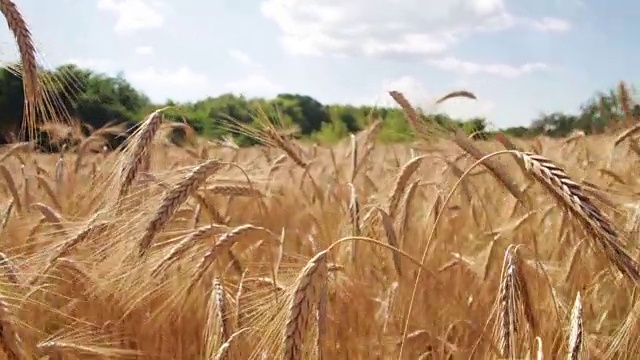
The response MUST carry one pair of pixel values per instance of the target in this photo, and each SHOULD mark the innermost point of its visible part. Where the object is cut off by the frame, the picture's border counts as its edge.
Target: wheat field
(448, 248)
(356, 251)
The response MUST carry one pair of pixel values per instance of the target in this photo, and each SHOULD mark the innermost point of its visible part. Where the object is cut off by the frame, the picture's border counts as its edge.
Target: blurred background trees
(97, 99)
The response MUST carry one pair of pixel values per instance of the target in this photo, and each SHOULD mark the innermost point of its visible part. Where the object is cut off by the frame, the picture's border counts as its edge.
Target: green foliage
(11, 102)
(98, 99)
(518, 131)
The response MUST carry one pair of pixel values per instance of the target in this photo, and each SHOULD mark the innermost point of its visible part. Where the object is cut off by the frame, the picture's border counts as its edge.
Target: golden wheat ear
(138, 151)
(569, 194)
(576, 331)
(28, 53)
(308, 293)
(513, 304)
(174, 198)
(43, 91)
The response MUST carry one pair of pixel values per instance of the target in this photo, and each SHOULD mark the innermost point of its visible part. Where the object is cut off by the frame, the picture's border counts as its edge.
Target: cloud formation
(134, 15)
(144, 50)
(254, 85)
(158, 82)
(391, 28)
(498, 69)
(243, 58)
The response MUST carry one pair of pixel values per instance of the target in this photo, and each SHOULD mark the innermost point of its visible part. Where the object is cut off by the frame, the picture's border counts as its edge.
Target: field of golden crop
(357, 251)
(220, 253)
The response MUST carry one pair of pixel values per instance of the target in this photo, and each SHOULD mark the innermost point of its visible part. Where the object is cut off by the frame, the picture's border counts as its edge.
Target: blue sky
(519, 57)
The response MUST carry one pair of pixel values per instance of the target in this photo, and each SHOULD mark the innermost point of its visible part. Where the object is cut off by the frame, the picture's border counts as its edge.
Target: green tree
(97, 99)
(304, 111)
(11, 105)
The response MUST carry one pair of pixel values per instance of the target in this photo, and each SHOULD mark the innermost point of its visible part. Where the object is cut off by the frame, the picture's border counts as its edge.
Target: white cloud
(181, 78)
(144, 50)
(254, 85)
(96, 64)
(570, 5)
(551, 24)
(389, 28)
(182, 84)
(470, 68)
(243, 58)
(487, 6)
(420, 97)
(134, 15)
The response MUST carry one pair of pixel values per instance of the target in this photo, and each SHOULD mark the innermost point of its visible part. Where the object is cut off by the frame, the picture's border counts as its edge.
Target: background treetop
(97, 99)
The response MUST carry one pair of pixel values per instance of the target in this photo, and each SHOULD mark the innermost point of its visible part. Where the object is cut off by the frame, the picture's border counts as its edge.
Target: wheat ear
(225, 243)
(217, 309)
(183, 246)
(50, 214)
(513, 298)
(570, 194)
(11, 185)
(27, 49)
(71, 244)
(16, 148)
(286, 146)
(392, 239)
(576, 334)
(6, 215)
(174, 198)
(307, 294)
(401, 183)
(140, 153)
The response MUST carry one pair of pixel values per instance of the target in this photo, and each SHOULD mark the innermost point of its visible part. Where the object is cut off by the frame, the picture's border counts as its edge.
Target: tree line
(98, 99)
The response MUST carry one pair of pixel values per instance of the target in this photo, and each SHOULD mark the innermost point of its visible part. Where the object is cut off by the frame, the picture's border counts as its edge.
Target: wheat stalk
(235, 190)
(223, 351)
(354, 216)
